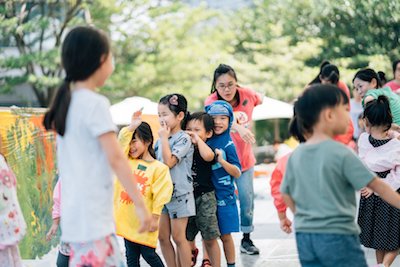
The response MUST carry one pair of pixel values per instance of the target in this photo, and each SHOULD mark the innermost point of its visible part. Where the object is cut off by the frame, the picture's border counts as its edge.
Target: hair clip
(173, 100)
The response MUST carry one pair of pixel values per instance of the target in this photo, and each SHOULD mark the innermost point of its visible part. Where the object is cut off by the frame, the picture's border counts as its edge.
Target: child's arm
(244, 133)
(168, 158)
(289, 202)
(125, 135)
(56, 211)
(385, 192)
(231, 169)
(119, 163)
(205, 151)
(284, 222)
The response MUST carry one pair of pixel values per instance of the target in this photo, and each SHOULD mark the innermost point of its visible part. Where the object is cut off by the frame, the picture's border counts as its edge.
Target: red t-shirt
(243, 116)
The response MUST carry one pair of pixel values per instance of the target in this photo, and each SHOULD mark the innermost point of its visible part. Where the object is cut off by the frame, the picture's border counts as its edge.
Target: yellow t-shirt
(155, 184)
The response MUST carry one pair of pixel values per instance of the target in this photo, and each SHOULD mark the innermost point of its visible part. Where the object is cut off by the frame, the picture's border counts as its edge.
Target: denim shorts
(180, 207)
(330, 250)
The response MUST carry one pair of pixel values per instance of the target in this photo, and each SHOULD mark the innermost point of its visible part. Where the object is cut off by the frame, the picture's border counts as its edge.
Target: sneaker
(206, 263)
(248, 247)
(195, 252)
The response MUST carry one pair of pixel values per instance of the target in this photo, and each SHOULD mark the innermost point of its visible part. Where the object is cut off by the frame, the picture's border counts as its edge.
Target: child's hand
(366, 192)
(164, 130)
(155, 220)
(286, 225)
(193, 136)
(218, 152)
(53, 229)
(136, 120)
(144, 218)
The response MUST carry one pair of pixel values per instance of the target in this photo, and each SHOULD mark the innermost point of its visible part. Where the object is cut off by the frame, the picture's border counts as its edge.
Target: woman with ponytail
(88, 152)
(379, 149)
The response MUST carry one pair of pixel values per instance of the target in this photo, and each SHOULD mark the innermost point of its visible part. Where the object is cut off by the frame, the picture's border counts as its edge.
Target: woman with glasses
(243, 101)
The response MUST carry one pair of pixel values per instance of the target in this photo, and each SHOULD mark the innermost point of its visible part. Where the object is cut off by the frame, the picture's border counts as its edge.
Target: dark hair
(81, 55)
(144, 133)
(394, 65)
(330, 72)
(309, 105)
(382, 77)
(317, 79)
(378, 113)
(205, 118)
(176, 103)
(294, 130)
(219, 71)
(368, 75)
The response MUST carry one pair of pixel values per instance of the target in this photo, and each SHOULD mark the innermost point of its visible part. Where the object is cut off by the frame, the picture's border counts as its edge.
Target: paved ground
(277, 248)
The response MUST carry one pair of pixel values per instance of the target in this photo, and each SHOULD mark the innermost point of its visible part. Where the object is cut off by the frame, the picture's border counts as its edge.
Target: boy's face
(197, 127)
(221, 123)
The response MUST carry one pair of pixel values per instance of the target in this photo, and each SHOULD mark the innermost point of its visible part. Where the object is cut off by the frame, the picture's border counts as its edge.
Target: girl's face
(226, 86)
(363, 86)
(168, 118)
(397, 73)
(137, 148)
(221, 124)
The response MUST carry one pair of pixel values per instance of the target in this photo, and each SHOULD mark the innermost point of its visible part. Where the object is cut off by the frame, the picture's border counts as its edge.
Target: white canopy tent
(272, 109)
(121, 112)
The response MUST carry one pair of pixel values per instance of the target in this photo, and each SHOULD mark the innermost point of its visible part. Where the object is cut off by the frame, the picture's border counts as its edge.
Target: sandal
(195, 252)
(206, 263)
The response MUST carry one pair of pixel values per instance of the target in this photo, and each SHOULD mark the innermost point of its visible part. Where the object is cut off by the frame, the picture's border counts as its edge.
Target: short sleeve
(181, 147)
(99, 119)
(231, 156)
(355, 171)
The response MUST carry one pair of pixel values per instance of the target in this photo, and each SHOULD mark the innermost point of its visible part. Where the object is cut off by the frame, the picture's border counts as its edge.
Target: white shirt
(87, 185)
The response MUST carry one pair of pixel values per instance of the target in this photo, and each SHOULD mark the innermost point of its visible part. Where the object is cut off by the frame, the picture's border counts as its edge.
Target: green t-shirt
(322, 179)
(394, 101)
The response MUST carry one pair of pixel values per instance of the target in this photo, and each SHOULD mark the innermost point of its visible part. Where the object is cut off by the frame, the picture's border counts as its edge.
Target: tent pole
(276, 130)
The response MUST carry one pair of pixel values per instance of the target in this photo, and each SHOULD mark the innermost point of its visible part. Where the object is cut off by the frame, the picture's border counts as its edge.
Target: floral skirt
(9, 257)
(100, 253)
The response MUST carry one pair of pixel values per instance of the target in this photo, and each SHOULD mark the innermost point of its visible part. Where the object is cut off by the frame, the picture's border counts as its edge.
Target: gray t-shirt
(87, 179)
(322, 180)
(181, 174)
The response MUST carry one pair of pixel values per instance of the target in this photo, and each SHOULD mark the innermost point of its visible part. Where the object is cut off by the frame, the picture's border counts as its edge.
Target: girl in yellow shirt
(155, 184)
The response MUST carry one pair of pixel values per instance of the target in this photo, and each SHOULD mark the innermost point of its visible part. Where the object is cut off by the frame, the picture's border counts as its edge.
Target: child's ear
(181, 115)
(209, 134)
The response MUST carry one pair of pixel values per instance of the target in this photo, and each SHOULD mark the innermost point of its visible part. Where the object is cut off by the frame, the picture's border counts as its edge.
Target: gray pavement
(277, 248)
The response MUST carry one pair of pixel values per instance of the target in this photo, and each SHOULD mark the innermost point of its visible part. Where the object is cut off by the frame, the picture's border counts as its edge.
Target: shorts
(180, 207)
(205, 220)
(103, 252)
(228, 218)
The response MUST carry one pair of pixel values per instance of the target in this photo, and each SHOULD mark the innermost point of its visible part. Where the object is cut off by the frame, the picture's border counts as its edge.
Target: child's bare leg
(379, 254)
(389, 257)
(164, 237)
(192, 245)
(229, 248)
(178, 230)
(212, 247)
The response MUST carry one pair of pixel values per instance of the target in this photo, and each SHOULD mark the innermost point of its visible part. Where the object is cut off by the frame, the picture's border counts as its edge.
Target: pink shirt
(243, 116)
(393, 85)
(276, 181)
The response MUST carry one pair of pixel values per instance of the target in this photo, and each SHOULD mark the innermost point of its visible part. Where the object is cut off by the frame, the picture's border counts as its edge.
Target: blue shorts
(330, 250)
(228, 218)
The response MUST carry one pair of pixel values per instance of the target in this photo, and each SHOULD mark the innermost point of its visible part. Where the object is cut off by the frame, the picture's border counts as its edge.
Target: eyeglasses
(223, 86)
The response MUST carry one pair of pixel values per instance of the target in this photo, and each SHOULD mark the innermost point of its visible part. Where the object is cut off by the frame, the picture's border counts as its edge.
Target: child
(379, 149)
(175, 149)
(12, 223)
(88, 152)
(154, 182)
(320, 180)
(64, 251)
(225, 169)
(276, 181)
(200, 128)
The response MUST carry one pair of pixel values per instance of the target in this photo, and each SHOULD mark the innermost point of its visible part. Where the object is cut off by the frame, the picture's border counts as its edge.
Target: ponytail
(378, 112)
(55, 118)
(295, 129)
